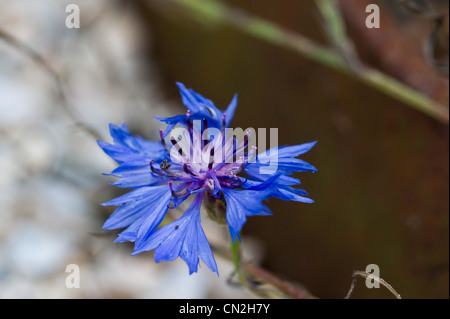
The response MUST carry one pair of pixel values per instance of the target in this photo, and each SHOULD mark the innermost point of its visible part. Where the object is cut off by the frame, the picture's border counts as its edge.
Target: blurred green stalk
(216, 12)
(235, 250)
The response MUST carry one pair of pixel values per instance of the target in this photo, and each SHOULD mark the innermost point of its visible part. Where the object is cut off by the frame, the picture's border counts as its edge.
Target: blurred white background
(50, 180)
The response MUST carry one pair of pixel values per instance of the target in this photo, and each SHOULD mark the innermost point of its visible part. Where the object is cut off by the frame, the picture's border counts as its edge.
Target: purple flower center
(197, 164)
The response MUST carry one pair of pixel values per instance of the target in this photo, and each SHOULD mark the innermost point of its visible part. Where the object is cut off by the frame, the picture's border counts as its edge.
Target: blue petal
(190, 101)
(142, 210)
(251, 185)
(295, 165)
(200, 108)
(121, 135)
(173, 120)
(133, 150)
(296, 150)
(285, 152)
(229, 113)
(125, 236)
(136, 176)
(126, 214)
(134, 195)
(253, 172)
(153, 218)
(146, 221)
(243, 203)
(284, 158)
(281, 191)
(289, 194)
(207, 105)
(183, 238)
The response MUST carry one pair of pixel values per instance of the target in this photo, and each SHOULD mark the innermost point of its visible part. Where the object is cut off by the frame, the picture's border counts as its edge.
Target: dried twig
(292, 290)
(260, 281)
(365, 275)
(42, 63)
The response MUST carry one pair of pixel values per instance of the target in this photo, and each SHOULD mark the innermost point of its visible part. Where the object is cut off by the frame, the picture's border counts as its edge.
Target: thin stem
(253, 278)
(288, 289)
(235, 249)
(41, 62)
(365, 275)
(216, 12)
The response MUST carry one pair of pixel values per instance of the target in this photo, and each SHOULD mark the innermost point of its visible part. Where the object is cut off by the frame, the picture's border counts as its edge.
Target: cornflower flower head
(195, 158)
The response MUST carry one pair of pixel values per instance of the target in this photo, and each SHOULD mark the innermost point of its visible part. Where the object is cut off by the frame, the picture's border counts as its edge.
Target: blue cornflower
(206, 169)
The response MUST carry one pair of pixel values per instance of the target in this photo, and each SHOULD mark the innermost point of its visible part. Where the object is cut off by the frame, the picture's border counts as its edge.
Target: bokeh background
(381, 192)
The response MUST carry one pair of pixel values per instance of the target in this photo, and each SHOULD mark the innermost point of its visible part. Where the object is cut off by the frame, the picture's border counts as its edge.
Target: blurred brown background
(381, 191)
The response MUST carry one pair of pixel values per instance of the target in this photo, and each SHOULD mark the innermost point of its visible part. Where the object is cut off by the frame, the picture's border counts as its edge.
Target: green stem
(216, 12)
(235, 250)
